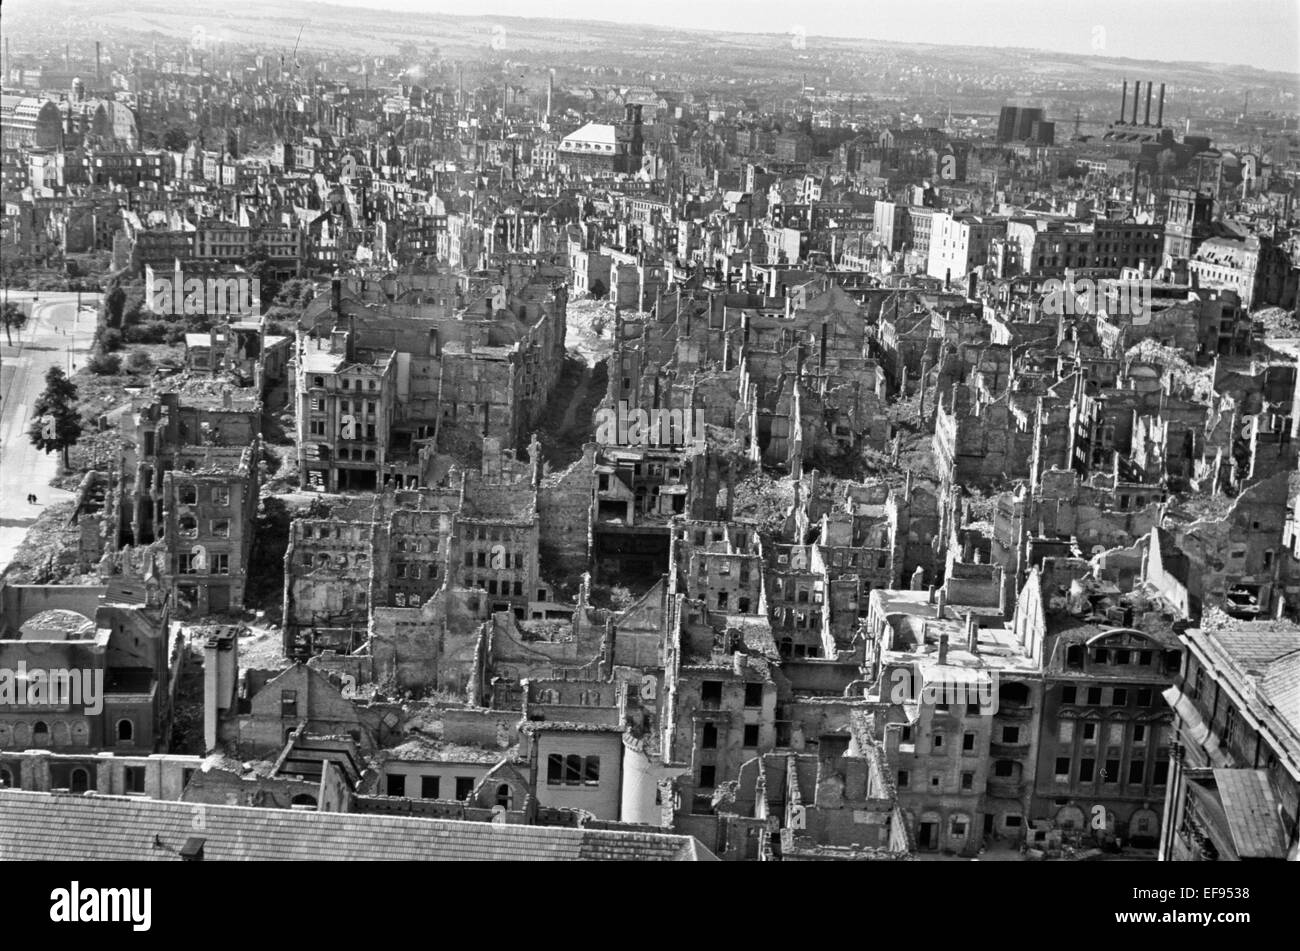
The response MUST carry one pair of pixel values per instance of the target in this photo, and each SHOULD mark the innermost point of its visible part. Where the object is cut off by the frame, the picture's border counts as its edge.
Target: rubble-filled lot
(48, 555)
(590, 328)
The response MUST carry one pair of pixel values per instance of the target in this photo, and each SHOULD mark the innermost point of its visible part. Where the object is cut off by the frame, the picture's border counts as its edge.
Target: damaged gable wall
(1240, 549)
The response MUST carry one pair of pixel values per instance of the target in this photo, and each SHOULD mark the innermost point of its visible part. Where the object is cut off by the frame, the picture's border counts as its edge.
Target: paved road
(55, 335)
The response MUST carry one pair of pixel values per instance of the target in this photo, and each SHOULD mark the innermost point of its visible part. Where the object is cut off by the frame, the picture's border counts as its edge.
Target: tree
(114, 304)
(14, 318)
(259, 268)
(175, 140)
(105, 364)
(56, 423)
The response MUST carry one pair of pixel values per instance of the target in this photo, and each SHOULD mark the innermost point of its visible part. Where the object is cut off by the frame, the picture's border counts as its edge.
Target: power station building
(1127, 131)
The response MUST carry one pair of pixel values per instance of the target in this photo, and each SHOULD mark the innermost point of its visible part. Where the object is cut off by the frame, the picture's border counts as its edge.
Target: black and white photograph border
(728, 432)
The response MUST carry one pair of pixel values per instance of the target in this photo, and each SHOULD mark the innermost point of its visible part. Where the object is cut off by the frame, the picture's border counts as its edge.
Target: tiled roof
(1253, 645)
(1259, 662)
(1251, 813)
(1281, 687)
(36, 826)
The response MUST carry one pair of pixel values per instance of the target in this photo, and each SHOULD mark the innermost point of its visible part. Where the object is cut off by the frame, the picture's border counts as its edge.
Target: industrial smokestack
(1160, 112)
(1123, 102)
(1137, 92)
(99, 69)
(1146, 118)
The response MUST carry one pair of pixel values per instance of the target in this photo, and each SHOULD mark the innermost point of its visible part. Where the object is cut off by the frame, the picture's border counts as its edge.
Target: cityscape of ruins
(482, 437)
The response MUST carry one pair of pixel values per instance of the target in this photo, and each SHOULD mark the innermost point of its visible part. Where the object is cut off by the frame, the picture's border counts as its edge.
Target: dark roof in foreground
(40, 826)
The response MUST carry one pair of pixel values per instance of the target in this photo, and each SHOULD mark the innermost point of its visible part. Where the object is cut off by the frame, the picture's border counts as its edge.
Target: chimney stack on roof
(943, 648)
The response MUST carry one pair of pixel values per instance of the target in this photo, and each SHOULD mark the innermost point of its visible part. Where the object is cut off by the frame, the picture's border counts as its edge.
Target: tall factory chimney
(1123, 102)
(1146, 118)
(1160, 111)
(550, 90)
(99, 69)
(1137, 91)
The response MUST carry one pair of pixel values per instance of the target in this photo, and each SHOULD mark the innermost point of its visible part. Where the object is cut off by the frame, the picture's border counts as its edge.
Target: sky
(1263, 33)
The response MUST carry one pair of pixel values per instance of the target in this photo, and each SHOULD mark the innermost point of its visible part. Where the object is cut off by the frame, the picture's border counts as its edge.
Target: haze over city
(1262, 33)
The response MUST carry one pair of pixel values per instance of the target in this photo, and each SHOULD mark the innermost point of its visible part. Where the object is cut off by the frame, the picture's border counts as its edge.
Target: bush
(139, 362)
(105, 364)
(294, 292)
(153, 332)
(110, 340)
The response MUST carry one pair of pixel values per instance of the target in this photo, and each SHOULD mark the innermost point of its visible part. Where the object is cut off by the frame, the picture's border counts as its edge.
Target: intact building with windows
(345, 408)
(602, 149)
(1106, 731)
(961, 243)
(594, 148)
